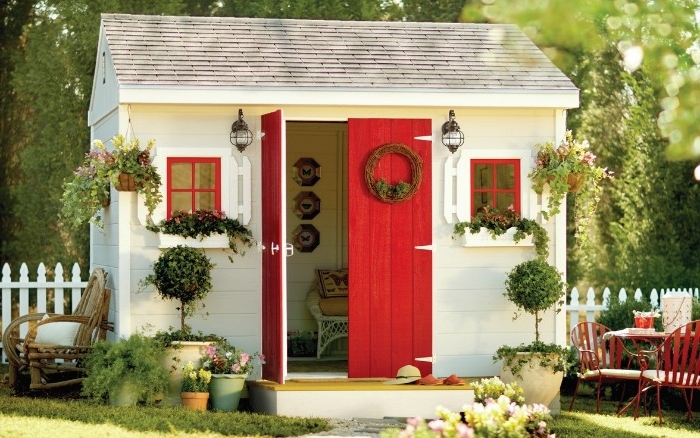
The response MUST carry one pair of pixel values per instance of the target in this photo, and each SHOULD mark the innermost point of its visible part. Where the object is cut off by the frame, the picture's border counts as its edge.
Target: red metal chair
(676, 365)
(600, 360)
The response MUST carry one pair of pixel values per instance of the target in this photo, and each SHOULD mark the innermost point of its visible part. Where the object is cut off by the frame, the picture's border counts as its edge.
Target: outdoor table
(637, 336)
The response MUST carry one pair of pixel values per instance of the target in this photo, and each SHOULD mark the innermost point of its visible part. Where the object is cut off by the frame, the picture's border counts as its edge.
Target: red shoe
(430, 380)
(453, 380)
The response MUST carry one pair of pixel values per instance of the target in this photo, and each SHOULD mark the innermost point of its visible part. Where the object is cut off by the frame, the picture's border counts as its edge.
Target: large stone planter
(175, 358)
(540, 385)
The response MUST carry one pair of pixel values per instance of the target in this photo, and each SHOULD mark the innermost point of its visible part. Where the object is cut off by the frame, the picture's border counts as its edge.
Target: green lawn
(36, 415)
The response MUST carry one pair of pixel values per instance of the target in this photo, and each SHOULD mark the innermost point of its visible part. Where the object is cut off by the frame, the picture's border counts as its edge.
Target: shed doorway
(317, 227)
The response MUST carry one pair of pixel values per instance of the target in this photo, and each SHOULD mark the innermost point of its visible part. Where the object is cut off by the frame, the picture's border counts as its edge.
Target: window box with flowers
(202, 229)
(87, 191)
(569, 168)
(493, 227)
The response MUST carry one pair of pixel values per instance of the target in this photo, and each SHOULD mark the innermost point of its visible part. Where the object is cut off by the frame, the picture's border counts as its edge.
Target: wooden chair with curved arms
(51, 365)
(676, 365)
(600, 360)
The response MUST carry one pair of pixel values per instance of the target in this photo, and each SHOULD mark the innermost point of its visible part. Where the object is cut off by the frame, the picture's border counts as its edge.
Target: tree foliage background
(635, 62)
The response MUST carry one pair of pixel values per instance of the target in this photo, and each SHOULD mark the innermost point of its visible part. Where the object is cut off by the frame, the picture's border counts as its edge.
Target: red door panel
(390, 280)
(273, 264)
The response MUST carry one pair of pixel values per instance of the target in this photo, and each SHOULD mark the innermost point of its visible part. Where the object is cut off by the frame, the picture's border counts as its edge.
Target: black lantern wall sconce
(241, 137)
(452, 136)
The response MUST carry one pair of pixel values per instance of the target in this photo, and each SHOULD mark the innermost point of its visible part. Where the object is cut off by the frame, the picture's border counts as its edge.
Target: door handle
(274, 247)
(290, 250)
(430, 247)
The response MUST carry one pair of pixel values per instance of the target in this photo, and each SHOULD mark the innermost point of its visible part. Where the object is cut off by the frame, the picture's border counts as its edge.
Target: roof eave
(564, 98)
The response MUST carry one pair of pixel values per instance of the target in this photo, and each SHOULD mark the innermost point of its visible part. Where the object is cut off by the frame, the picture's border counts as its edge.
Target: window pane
(482, 200)
(205, 173)
(483, 176)
(205, 201)
(181, 201)
(506, 176)
(505, 200)
(182, 175)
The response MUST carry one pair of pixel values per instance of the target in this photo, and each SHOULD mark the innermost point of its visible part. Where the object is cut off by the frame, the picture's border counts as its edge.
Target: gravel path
(361, 427)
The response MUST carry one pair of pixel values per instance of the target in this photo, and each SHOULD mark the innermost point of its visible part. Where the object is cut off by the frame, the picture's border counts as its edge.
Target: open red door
(273, 264)
(390, 257)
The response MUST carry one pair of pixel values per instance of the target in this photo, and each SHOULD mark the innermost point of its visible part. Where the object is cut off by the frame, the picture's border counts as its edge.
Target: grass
(47, 414)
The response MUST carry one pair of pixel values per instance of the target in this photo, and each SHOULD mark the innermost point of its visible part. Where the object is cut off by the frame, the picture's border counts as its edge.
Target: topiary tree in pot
(182, 273)
(534, 286)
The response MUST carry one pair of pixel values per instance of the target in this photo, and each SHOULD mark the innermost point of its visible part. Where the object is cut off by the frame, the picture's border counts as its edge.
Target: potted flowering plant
(569, 168)
(204, 223)
(129, 168)
(230, 367)
(534, 286)
(497, 223)
(86, 192)
(194, 389)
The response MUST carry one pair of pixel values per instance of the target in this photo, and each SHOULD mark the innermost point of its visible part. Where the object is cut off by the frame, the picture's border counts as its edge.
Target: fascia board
(563, 99)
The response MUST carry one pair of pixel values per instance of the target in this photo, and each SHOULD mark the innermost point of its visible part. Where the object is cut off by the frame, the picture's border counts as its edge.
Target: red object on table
(645, 322)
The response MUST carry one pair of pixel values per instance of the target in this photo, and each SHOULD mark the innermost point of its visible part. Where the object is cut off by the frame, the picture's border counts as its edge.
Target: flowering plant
(223, 358)
(195, 379)
(130, 159)
(498, 222)
(203, 223)
(569, 168)
(87, 190)
(494, 387)
(493, 418)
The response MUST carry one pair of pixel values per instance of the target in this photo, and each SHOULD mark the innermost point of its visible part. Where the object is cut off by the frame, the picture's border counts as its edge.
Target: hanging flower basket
(575, 181)
(126, 183)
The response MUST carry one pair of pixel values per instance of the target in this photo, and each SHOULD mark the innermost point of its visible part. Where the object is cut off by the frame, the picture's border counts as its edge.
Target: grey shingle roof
(255, 52)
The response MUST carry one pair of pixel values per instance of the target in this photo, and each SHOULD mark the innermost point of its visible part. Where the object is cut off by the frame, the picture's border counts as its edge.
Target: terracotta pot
(575, 181)
(175, 359)
(126, 183)
(197, 401)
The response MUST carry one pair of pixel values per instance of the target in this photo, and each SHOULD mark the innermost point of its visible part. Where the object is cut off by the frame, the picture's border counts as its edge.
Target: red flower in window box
(199, 224)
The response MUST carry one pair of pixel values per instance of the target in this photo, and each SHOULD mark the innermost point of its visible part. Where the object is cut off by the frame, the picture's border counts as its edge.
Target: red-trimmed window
(495, 183)
(194, 183)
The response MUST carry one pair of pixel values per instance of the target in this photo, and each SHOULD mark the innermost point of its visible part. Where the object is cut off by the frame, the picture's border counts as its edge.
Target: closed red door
(390, 261)
(273, 263)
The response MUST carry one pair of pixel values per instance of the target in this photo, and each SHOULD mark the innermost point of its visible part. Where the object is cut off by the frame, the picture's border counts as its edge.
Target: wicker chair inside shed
(52, 366)
(330, 328)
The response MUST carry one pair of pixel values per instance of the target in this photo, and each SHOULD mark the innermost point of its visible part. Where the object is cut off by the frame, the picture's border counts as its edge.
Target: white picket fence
(34, 295)
(591, 306)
